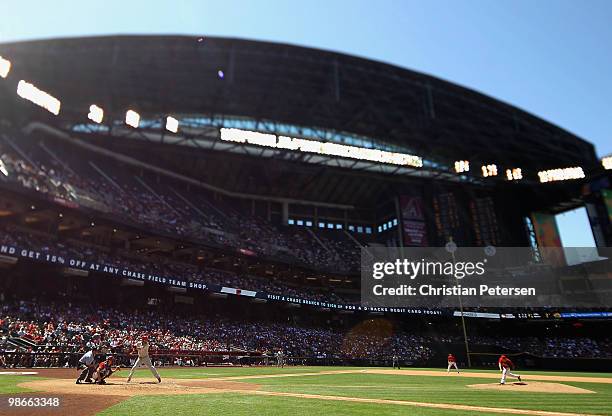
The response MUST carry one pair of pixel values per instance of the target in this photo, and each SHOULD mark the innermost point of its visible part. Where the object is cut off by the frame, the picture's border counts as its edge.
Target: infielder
(505, 365)
(452, 362)
(143, 359)
(280, 359)
(88, 360)
(396, 362)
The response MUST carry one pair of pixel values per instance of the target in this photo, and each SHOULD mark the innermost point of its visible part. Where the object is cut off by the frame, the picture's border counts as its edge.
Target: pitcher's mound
(532, 387)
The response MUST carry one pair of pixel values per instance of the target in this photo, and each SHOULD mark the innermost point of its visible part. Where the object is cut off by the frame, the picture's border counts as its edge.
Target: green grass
(215, 372)
(8, 384)
(444, 390)
(393, 387)
(449, 389)
(530, 372)
(248, 405)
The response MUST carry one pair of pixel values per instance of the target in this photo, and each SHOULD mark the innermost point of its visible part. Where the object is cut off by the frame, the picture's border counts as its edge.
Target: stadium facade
(211, 84)
(185, 169)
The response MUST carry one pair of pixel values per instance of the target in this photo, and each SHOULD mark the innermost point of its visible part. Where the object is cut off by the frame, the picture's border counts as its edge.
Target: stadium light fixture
(462, 166)
(132, 118)
(606, 162)
(514, 174)
(29, 92)
(5, 67)
(563, 174)
(96, 114)
(318, 147)
(172, 124)
(489, 170)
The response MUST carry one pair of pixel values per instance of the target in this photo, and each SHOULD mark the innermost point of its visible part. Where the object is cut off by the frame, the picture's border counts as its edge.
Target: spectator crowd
(51, 328)
(109, 187)
(46, 327)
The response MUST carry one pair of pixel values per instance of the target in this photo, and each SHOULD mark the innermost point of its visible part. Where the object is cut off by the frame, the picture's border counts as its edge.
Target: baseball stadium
(183, 221)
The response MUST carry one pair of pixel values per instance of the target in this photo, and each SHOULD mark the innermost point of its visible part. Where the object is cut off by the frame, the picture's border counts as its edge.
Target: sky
(552, 58)
(575, 229)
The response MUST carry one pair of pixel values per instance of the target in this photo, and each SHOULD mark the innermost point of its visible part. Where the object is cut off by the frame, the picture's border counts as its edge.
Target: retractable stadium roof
(277, 83)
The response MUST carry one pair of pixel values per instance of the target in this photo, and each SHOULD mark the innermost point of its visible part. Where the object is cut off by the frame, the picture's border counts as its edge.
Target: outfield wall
(523, 361)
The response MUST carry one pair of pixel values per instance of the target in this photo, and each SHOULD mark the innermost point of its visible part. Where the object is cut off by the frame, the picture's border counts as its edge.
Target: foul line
(419, 404)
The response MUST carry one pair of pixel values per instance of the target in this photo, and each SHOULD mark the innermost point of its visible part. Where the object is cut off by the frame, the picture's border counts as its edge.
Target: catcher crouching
(105, 369)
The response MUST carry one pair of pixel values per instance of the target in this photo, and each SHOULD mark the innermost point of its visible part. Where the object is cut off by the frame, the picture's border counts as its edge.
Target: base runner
(452, 362)
(505, 365)
(143, 359)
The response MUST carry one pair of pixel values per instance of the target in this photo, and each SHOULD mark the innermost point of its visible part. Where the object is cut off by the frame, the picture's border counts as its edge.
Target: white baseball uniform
(505, 373)
(505, 366)
(452, 364)
(143, 359)
(87, 358)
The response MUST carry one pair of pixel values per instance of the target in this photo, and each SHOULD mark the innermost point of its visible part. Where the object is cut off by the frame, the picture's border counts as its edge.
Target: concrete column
(285, 212)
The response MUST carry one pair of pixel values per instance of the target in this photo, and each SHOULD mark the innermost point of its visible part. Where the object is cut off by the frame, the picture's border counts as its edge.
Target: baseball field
(312, 390)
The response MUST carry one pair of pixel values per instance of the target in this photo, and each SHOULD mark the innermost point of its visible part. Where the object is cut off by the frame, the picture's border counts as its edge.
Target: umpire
(88, 361)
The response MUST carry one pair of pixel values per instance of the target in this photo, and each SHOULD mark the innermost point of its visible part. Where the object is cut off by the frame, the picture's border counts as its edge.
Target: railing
(20, 359)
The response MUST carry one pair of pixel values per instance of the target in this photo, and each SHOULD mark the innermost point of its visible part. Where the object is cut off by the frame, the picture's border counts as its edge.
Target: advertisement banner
(413, 221)
(136, 273)
(547, 236)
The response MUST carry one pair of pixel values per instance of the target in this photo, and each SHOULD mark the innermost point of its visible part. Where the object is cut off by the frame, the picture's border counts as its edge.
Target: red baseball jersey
(505, 362)
(105, 364)
(451, 358)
